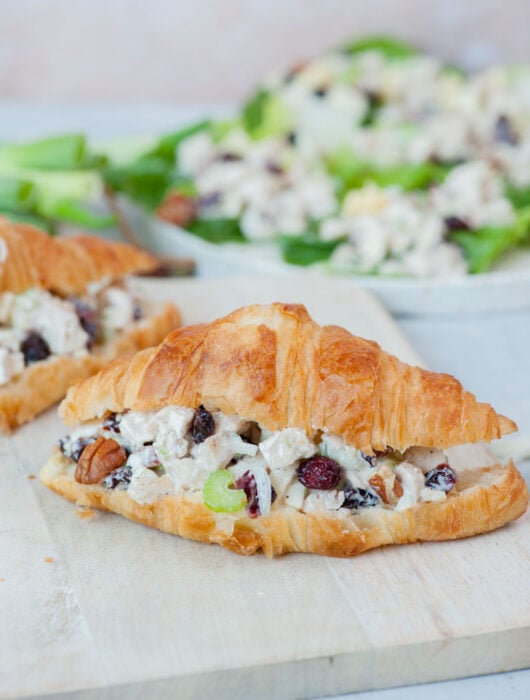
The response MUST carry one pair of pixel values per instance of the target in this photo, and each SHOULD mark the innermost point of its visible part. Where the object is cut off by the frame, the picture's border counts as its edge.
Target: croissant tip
(506, 425)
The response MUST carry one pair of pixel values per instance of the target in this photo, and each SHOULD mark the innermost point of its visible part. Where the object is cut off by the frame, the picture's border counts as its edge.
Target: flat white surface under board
(143, 614)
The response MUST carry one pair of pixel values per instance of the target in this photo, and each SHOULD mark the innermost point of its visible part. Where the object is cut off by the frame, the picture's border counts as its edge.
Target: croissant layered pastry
(265, 431)
(67, 307)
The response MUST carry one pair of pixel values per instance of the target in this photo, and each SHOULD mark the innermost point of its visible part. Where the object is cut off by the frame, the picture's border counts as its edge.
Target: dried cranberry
(112, 423)
(455, 223)
(504, 131)
(358, 498)
(247, 482)
(273, 168)
(118, 479)
(321, 91)
(88, 320)
(209, 200)
(229, 157)
(319, 472)
(34, 348)
(441, 478)
(203, 425)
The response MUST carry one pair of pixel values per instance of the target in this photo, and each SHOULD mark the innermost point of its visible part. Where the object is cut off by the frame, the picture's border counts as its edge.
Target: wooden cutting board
(114, 609)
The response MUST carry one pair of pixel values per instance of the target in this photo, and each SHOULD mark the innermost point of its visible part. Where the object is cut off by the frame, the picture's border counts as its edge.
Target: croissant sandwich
(263, 430)
(66, 309)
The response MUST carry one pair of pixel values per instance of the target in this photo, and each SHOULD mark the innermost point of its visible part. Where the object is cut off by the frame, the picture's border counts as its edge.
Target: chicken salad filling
(37, 324)
(234, 465)
(448, 153)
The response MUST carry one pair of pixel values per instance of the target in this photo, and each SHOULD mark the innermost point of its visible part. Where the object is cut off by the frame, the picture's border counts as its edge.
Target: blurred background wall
(195, 50)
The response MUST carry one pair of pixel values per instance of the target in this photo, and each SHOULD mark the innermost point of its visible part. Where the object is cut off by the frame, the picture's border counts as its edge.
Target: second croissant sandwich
(264, 430)
(66, 309)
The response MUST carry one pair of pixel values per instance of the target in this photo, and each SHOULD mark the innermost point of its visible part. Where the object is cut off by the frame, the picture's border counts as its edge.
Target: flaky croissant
(275, 366)
(31, 259)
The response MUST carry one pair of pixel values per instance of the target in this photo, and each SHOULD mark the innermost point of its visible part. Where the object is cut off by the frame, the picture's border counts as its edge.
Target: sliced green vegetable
(26, 218)
(518, 196)
(353, 173)
(17, 195)
(217, 230)
(391, 48)
(148, 178)
(411, 176)
(145, 180)
(307, 249)
(484, 246)
(167, 146)
(219, 497)
(265, 115)
(253, 111)
(220, 129)
(77, 213)
(56, 153)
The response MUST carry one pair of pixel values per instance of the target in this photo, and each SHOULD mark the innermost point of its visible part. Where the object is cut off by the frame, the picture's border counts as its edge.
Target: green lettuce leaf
(353, 173)
(166, 148)
(307, 249)
(518, 196)
(217, 230)
(265, 115)
(391, 48)
(67, 152)
(485, 245)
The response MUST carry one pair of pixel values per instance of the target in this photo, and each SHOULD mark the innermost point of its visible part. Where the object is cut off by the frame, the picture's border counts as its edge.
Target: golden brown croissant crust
(274, 365)
(63, 265)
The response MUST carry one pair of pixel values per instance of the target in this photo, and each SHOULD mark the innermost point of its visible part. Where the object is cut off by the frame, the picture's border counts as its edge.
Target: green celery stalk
(56, 153)
(17, 195)
(76, 213)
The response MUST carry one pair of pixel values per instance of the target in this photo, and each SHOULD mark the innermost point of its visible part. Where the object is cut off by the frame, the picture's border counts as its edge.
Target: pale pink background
(217, 49)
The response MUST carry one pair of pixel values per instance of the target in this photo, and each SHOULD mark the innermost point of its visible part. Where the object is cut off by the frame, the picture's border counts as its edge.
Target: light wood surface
(143, 614)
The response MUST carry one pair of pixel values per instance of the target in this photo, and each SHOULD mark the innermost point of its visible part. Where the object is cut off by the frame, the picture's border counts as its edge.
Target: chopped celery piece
(389, 47)
(59, 152)
(253, 110)
(265, 115)
(219, 497)
(220, 129)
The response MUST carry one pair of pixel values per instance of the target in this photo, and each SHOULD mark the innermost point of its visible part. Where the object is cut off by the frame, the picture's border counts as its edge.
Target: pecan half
(378, 484)
(386, 486)
(177, 209)
(98, 460)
